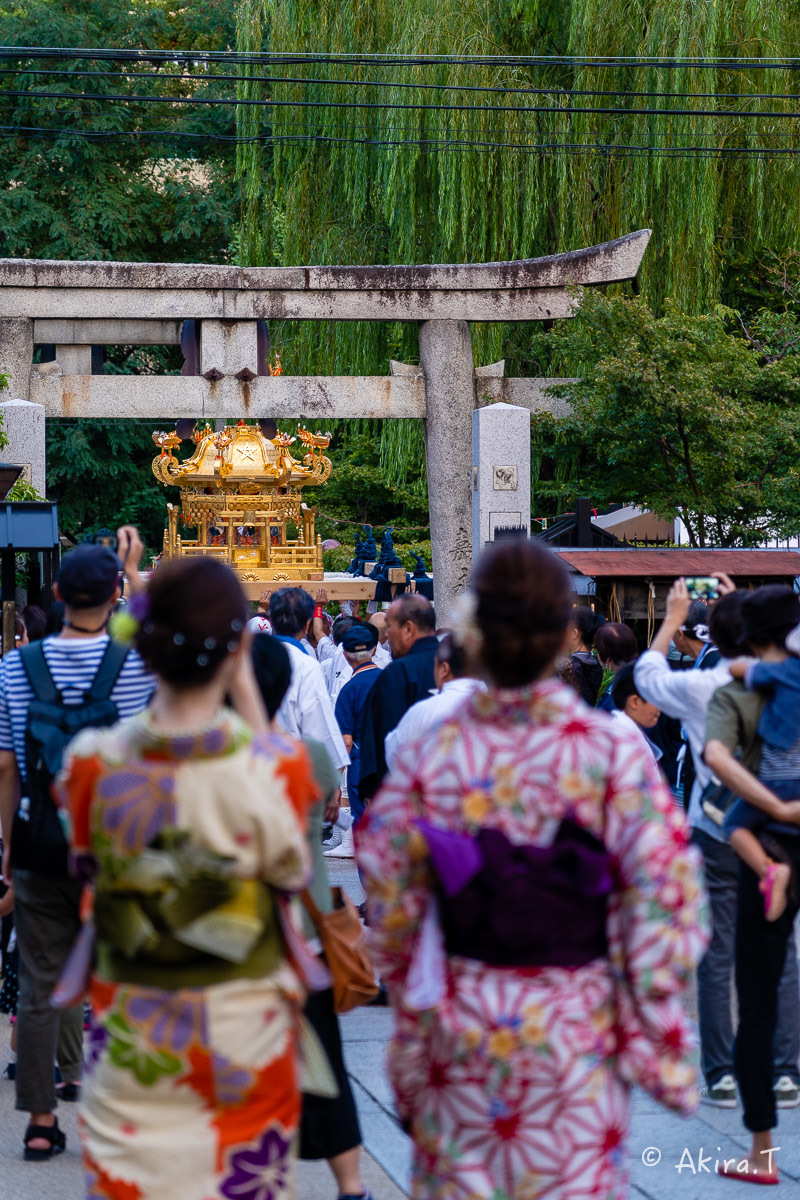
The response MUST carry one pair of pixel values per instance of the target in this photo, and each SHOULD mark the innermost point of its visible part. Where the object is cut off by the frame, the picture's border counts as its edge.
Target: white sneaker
(334, 840)
(787, 1093)
(721, 1094)
(345, 849)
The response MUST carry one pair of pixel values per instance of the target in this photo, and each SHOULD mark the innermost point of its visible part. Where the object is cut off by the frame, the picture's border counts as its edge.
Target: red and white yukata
(517, 1084)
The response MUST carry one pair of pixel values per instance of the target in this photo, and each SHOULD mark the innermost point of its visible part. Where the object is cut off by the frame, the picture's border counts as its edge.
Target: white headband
(700, 632)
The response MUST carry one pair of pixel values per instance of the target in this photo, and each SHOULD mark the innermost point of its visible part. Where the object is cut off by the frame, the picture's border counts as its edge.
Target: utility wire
(432, 144)
(399, 60)
(115, 98)
(390, 83)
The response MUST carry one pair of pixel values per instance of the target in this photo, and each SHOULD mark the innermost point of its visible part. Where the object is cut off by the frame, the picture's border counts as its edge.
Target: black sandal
(48, 1133)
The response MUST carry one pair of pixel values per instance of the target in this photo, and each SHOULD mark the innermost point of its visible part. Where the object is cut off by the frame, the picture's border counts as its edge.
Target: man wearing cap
(358, 644)
(336, 668)
(46, 902)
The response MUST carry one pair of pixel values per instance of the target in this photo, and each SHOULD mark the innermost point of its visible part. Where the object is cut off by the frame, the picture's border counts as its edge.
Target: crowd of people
(172, 778)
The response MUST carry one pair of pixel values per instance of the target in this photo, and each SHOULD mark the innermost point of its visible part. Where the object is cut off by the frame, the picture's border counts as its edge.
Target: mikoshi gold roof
(242, 455)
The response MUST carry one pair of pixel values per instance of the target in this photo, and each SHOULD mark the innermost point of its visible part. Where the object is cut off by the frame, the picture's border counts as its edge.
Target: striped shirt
(73, 664)
(778, 764)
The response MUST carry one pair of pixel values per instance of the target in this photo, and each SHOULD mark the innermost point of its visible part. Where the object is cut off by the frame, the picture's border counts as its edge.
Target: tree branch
(686, 458)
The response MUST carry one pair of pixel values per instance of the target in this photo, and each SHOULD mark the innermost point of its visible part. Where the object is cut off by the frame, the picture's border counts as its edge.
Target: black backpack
(38, 842)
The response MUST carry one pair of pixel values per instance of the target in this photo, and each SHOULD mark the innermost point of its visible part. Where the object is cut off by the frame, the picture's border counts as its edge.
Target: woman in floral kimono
(192, 822)
(535, 912)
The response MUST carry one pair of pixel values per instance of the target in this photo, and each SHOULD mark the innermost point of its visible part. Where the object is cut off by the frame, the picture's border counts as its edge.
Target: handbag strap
(311, 907)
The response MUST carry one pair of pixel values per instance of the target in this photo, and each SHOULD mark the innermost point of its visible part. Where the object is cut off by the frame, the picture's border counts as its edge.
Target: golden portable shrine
(243, 492)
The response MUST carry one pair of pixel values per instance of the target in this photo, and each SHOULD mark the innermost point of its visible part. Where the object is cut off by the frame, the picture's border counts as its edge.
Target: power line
(391, 83)
(399, 60)
(427, 144)
(114, 98)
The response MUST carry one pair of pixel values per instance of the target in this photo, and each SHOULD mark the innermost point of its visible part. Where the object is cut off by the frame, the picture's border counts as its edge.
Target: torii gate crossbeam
(77, 305)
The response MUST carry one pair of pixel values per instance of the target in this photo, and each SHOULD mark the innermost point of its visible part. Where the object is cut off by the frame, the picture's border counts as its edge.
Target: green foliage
(23, 490)
(681, 415)
(361, 489)
(344, 202)
(100, 473)
(716, 220)
(130, 198)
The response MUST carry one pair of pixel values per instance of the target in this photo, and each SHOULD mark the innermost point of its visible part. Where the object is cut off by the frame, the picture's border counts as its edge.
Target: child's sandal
(774, 888)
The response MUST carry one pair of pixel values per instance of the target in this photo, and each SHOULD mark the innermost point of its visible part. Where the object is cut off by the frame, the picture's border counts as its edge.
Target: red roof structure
(672, 563)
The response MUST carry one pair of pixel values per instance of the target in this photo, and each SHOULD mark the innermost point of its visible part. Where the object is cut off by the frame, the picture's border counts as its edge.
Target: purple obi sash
(522, 906)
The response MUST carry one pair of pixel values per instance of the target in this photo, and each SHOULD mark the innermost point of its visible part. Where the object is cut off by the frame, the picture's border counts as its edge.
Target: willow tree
(368, 162)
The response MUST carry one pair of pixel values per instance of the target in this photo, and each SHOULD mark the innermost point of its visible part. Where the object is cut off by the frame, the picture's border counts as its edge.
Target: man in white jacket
(306, 711)
(455, 688)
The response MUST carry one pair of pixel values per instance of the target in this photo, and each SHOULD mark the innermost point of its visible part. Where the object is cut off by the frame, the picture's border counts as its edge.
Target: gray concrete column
(229, 348)
(74, 359)
(16, 354)
(501, 471)
(24, 426)
(445, 351)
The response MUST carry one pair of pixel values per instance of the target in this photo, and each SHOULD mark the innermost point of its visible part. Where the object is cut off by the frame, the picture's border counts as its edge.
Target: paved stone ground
(657, 1136)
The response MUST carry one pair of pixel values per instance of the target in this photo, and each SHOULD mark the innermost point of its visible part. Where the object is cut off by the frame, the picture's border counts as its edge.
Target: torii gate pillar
(445, 351)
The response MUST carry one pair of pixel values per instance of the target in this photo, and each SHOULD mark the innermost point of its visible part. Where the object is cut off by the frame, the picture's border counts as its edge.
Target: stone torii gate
(75, 306)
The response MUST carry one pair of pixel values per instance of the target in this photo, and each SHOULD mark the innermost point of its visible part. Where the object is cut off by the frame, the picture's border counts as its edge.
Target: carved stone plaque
(505, 479)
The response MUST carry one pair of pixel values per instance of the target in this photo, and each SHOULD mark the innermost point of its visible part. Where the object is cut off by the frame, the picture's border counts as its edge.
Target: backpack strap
(38, 672)
(108, 672)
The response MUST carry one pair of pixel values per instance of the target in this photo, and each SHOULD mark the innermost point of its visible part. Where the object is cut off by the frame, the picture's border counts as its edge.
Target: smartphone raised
(703, 587)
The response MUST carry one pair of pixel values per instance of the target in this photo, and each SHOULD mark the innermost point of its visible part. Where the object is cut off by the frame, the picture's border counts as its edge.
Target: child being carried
(779, 730)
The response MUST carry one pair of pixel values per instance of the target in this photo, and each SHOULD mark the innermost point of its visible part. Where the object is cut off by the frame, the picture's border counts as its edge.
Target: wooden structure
(632, 584)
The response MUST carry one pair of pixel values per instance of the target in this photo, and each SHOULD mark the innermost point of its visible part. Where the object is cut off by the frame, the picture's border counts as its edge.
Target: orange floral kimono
(191, 1087)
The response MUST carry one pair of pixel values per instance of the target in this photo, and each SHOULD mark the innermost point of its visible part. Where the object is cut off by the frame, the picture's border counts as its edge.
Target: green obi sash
(176, 916)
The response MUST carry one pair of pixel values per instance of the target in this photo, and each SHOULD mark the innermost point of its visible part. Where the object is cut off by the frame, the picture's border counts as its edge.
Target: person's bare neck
(85, 622)
(772, 654)
(183, 710)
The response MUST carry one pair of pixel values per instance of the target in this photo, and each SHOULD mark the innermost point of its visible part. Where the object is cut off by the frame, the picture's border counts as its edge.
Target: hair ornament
(210, 643)
(464, 621)
(232, 645)
(126, 622)
(179, 639)
(202, 660)
(236, 625)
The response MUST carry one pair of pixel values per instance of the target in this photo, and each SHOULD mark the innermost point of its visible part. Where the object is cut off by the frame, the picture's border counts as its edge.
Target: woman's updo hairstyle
(196, 614)
(524, 606)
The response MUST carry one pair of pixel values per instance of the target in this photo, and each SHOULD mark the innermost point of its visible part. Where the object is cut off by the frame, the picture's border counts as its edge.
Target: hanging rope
(613, 605)
(360, 524)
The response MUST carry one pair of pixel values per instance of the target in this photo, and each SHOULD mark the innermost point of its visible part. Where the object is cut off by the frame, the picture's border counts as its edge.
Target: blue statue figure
(365, 551)
(388, 556)
(357, 559)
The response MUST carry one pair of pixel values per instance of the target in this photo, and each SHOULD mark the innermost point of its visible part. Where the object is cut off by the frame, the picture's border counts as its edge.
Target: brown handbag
(344, 945)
